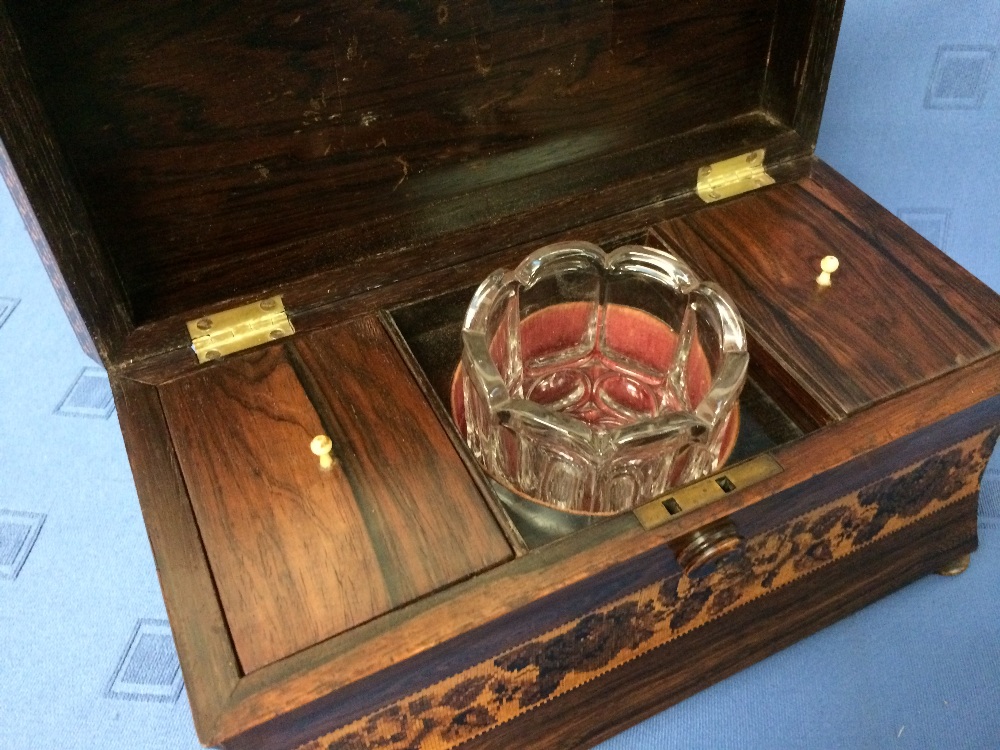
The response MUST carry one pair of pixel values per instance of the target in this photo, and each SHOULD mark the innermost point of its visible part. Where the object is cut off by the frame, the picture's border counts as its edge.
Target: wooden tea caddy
(332, 179)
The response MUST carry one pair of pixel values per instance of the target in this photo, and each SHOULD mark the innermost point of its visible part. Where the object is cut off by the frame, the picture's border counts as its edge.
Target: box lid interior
(223, 150)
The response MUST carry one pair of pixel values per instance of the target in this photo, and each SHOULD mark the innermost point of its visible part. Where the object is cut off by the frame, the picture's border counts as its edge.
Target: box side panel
(33, 168)
(46, 255)
(857, 454)
(430, 266)
(208, 659)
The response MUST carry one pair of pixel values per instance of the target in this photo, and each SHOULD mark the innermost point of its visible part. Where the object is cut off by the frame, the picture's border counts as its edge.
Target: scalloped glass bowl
(592, 382)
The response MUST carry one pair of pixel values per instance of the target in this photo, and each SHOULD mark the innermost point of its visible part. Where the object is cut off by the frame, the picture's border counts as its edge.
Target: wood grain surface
(159, 350)
(298, 553)
(504, 689)
(898, 314)
(426, 516)
(54, 211)
(243, 145)
(180, 158)
(200, 631)
(334, 682)
(192, 160)
(798, 71)
(288, 546)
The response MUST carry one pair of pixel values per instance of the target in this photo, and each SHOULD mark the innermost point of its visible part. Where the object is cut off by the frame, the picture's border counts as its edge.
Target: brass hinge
(730, 177)
(240, 328)
(704, 491)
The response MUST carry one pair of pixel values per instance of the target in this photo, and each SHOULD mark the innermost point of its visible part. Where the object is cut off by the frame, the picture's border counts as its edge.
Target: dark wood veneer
(35, 171)
(289, 549)
(330, 136)
(842, 343)
(331, 682)
(299, 554)
(196, 617)
(435, 526)
(161, 350)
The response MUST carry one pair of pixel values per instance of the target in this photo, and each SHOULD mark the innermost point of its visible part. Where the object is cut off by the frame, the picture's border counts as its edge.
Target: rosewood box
(266, 220)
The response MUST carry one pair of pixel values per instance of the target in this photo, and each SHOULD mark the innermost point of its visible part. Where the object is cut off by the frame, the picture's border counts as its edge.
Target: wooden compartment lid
(299, 552)
(180, 159)
(897, 312)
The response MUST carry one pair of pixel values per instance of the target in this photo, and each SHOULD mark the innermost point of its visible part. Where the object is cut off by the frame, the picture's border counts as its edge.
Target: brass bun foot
(959, 565)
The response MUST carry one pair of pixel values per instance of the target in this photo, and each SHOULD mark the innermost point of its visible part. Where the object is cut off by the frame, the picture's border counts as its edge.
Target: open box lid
(181, 159)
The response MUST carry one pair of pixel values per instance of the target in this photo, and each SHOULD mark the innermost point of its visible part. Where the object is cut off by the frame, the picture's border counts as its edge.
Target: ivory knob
(321, 446)
(828, 267)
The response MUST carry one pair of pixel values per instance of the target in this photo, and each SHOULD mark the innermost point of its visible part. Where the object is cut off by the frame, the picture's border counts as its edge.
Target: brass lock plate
(697, 494)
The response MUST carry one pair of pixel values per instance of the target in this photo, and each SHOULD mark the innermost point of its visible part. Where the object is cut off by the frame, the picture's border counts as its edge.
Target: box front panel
(819, 562)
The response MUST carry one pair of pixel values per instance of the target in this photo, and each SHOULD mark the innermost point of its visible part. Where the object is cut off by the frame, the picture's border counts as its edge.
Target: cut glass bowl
(592, 382)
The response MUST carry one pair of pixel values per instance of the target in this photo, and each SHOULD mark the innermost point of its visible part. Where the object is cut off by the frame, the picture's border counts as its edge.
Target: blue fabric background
(86, 660)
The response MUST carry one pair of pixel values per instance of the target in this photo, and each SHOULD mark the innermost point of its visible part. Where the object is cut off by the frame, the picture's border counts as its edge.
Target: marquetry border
(457, 709)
